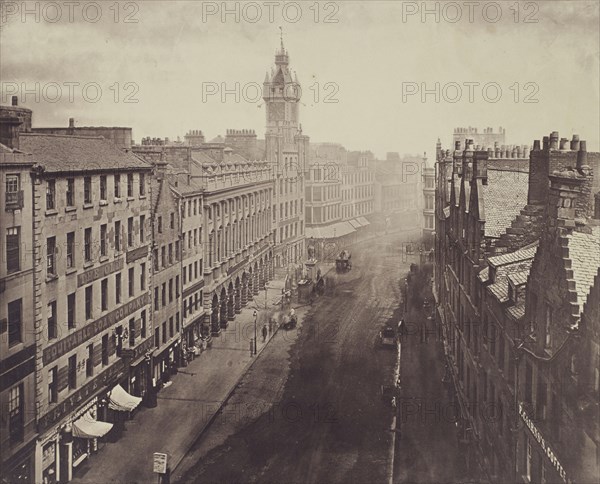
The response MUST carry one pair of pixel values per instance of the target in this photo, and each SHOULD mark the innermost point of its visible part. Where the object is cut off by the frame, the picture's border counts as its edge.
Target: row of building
(121, 258)
(517, 286)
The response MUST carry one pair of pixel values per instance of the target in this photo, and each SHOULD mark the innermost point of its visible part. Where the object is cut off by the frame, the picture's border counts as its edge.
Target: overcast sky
(364, 55)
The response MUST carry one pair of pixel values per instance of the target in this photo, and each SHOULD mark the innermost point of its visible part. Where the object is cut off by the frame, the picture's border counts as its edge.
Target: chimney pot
(15, 101)
(563, 143)
(71, 122)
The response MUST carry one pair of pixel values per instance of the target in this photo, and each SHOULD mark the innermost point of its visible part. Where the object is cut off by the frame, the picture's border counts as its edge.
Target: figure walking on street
(264, 332)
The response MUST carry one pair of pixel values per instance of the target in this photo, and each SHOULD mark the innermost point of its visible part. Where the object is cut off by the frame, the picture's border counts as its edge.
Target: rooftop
(69, 153)
(584, 253)
(503, 198)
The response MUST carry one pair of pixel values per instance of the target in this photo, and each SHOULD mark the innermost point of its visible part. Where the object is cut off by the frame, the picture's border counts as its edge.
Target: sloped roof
(519, 278)
(183, 185)
(517, 312)
(59, 153)
(584, 253)
(516, 256)
(503, 197)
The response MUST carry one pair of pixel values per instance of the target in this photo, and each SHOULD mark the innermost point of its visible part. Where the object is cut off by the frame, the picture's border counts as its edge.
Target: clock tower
(287, 151)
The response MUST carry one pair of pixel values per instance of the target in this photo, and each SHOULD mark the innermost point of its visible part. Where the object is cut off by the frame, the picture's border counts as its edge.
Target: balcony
(14, 200)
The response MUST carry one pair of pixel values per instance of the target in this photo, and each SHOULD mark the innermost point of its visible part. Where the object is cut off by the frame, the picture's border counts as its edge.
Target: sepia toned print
(299, 242)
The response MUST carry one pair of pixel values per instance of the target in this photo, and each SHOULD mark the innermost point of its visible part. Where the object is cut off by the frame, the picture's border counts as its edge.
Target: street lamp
(255, 333)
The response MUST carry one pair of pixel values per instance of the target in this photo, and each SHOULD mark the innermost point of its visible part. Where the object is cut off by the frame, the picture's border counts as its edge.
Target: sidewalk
(184, 409)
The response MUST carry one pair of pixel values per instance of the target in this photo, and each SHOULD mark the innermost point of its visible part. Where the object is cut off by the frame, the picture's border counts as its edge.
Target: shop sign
(133, 353)
(78, 398)
(136, 254)
(543, 444)
(160, 463)
(76, 339)
(98, 272)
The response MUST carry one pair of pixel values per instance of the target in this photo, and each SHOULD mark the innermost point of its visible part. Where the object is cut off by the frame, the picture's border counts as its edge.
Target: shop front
(70, 430)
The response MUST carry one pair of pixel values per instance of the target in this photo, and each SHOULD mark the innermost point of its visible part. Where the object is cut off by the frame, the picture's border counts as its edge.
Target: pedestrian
(264, 332)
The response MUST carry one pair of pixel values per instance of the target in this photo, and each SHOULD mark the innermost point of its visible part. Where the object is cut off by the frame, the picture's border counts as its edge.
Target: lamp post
(255, 333)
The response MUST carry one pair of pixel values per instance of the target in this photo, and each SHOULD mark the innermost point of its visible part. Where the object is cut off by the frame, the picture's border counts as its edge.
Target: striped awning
(120, 400)
(87, 427)
(355, 223)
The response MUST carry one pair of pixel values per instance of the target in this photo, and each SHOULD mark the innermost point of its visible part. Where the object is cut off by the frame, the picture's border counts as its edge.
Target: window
(51, 256)
(119, 338)
(164, 294)
(159, 223)
(118, 288)
(70, 192)
(117, 186)
(52, 326)
(87, 241)
(171, 327)
(177, 322)
(71, 311)
(170, 290)
(142, 184)
(156, 337)
(13, 256)
(16, 422)
(103, 240)
(164, 332)
(155, 260)
(130, 232)
(142, 229)
(50, 195)
(105, 350)
(170, 253)
(73, 371)
(177, 286)
(53, 385)
(176, 250)
(130, 184)
(87, 189)
(13, 186)
(131, 281)
(144, 326)
(163, 256)
(143, 277)
(172, 220)
(89, 362)
(103, 187)
(132, 332)
(104, 294)
(89, 301)
(117, 236)
(15, 323)
(70, 250)
(156, 300)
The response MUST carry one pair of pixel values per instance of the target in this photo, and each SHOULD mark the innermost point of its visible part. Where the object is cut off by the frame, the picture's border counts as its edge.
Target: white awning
(120, 400)
(363, 221)
(87, 427)
(355, 223)
(330, 231)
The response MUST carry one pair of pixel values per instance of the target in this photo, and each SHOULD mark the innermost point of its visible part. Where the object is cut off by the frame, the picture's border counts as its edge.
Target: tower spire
(281, 38)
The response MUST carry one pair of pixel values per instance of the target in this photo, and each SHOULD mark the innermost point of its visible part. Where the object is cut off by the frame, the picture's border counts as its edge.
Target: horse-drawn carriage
(343, 262)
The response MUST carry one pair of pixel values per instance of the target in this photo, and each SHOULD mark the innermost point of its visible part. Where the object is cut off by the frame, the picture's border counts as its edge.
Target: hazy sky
(364, 55)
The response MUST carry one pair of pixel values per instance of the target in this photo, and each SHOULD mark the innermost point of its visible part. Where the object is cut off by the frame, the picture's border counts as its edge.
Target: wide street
(310, 409)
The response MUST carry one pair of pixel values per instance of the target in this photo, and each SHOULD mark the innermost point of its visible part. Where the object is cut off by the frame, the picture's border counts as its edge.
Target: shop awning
(120, 400)
(364, 222)
(330, 231)
(87, 427)
(355, 223)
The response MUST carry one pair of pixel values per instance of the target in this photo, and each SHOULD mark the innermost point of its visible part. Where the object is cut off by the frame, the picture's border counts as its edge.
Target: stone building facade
(512, 274)
(18, 429)
(91, 289)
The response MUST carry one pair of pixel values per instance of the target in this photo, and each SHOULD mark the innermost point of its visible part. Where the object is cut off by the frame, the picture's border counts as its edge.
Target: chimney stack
(563, 143)
(554, 140)
(581, 155)
(15, 101)
(575, 142)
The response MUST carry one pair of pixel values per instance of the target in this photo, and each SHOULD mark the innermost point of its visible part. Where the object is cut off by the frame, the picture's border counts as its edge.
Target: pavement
(186, 407)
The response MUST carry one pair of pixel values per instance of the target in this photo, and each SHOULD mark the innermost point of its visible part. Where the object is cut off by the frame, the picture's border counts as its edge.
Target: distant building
(119, 136)
(488, 137)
